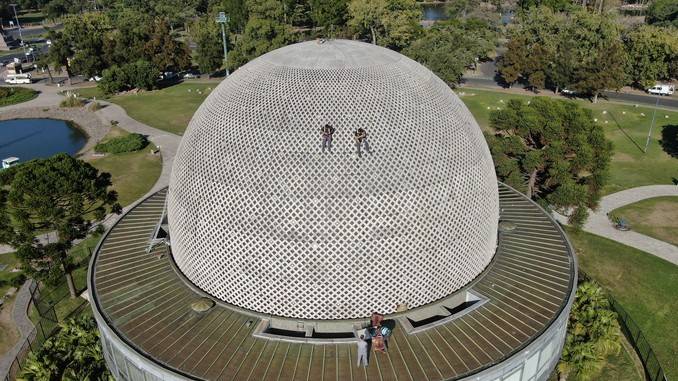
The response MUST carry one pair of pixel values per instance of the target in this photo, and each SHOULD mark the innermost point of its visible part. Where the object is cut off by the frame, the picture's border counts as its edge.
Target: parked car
(191, 75)
(96, 78)
(18, 79)
(660, 89)
(568, 92)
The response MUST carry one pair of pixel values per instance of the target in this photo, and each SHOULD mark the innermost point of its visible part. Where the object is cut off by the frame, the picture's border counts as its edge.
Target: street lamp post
(23, 45)
(223, 20)
(649, 133)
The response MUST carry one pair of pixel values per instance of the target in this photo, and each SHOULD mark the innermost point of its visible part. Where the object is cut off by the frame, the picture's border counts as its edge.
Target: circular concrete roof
(261, 218)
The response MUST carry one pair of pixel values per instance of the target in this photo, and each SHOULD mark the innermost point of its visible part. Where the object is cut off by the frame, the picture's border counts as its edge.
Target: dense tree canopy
(582, 51)
(553, 151)
(663, 13)
(261, 35)
(329, 14)
(653, 54)
(210, 50)
(62, 195)
(391, 23)
(449, 48)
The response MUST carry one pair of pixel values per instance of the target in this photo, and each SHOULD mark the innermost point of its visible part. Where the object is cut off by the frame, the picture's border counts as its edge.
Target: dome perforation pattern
(261, 218)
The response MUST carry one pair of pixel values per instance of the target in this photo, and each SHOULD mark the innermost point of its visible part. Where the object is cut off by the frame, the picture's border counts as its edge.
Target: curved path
(598, 222)
(168, 144)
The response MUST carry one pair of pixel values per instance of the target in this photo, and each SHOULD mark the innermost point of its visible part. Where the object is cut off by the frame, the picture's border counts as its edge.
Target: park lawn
(625, 125)
(16, 95)
(646, 286)
(656, 217)
(169, 109)
(89, 92)
(133, 174)
(6, 275)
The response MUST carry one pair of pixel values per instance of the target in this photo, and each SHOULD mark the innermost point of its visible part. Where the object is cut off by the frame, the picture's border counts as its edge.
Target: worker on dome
(360, 136)
(327, 132)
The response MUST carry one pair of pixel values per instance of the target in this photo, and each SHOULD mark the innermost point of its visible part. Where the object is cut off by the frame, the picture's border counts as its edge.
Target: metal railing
(45, 327)
(633, 333)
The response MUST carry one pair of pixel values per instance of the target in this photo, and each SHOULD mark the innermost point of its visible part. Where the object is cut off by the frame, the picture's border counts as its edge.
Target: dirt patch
(620, 156)
(662, 214)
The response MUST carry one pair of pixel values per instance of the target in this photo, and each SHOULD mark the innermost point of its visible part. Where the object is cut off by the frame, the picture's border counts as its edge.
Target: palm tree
(74, 353)
(593, 334)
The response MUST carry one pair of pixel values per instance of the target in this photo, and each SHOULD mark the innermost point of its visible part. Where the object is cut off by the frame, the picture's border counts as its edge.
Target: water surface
(39, 138)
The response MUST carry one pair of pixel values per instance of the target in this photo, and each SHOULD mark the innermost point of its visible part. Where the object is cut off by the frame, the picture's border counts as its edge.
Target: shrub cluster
(13, 95)
(127, 143)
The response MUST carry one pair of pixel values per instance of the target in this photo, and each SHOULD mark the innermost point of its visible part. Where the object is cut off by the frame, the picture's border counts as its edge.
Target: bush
(141, 74)
(95, 106)
(127, 143)
(72, 101)
(13, 95)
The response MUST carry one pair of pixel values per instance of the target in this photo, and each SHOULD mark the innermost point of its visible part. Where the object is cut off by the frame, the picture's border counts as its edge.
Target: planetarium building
(321, 183)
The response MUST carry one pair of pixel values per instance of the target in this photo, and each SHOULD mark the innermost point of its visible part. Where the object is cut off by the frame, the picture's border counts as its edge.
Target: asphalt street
(647, 99)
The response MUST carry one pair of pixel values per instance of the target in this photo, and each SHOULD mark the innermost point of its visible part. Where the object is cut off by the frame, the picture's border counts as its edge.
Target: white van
(18, 79)
(659, 89)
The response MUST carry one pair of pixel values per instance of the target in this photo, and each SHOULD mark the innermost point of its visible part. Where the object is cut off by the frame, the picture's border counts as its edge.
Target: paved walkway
(599, 223)
(23, 324)
(167, 142)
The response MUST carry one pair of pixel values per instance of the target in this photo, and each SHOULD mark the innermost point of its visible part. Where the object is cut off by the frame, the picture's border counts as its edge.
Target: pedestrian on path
(362, 351)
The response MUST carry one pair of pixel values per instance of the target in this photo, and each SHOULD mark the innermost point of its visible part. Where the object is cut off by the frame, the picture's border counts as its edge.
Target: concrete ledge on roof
(262, 332)
(449, 309)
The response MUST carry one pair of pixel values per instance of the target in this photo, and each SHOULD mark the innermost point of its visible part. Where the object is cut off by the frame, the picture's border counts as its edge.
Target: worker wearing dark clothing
(361, 141)
(327, 131)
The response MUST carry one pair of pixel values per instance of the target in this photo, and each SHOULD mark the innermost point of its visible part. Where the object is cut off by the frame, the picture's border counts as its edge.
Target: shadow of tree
(669, 139)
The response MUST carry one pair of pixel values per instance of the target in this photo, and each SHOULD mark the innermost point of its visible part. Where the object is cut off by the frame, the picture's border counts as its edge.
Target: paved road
(649, 100)
(599, 223)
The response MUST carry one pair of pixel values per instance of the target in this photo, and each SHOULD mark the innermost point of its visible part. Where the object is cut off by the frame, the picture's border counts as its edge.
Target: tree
(401, 23)
(140, 74)
(74, 353)
(449, 48)
(592, 334)
(329, 14)
(600, 56)
(237, 12)
(533, 43)
(365, 17)
(60, 195)
(58, 54)
(86, 35)
(266, 10)
(557, 147)
(164, 51)
(126, 42)
(260, 36)
(652, 51)
(663, 13)
(210, 51)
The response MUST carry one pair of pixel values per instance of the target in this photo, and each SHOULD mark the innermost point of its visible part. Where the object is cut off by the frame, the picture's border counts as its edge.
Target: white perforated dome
(261, 218)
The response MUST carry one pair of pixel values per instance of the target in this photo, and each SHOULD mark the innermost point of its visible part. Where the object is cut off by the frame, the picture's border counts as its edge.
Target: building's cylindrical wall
(534, 363)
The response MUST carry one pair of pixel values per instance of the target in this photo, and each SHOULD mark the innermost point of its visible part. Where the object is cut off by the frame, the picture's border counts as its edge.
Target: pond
(39, 138)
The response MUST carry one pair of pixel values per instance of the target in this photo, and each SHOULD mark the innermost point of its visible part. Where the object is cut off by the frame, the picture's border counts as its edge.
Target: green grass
(6, 275)
(133, 174)
(89, 92)
(646, 286)
(169, 109)
(656, 217)
(14, 95)
(625, 125)
(621, 367)
(31, 17)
